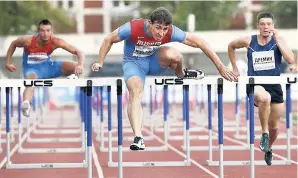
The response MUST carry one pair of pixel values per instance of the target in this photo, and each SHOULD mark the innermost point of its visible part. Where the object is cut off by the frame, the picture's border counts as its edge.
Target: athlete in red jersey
(37, 62)
(143, 55)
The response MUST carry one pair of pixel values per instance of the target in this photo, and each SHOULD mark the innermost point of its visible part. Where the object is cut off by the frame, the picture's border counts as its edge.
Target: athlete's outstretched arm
(286, 52)
(197, 42)
(107, 44)
(60, 43)
(19, 42)
(242, 42)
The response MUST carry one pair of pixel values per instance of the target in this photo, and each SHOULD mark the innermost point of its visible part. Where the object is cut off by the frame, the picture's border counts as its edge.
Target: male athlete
(37, 62)
(144, 55)
(268, 98)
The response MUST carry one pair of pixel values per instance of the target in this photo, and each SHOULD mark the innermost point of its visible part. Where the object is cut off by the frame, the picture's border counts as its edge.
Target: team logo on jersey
(36, 58)
(148, 43)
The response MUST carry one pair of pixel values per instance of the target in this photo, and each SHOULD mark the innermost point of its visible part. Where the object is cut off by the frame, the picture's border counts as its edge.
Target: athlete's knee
(135, 88)
(67, 68)
(263, 98)
(31, 76)
(169, 54)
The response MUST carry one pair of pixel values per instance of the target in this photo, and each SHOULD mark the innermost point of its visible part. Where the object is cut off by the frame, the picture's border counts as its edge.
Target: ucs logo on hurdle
(169, 81)
(38, 83)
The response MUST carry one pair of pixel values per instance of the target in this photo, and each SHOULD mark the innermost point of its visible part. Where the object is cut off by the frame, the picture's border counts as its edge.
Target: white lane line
(183, 155)
(96, 161)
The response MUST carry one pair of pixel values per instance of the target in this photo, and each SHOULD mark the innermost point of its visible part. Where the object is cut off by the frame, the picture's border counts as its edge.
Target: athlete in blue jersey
(144, 55)
(264, 53)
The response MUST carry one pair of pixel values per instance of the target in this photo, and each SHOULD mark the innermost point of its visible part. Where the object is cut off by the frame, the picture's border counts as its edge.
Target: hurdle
(13, 123)
(52, 131)
(56, 83)
(110, 139)
(120, 164)
(251, 81)
(210, 148)
(281, 135)
(234, 125)
(288, 135)
(21, 149)
(62, 119)
(181, 127)
(103, 127)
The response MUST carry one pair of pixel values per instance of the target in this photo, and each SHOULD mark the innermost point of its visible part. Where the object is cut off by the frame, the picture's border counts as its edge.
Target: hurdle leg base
(50, 150)
(46, 165)
(151, 164)
(243, 163)
(126, 149)
(206, 148)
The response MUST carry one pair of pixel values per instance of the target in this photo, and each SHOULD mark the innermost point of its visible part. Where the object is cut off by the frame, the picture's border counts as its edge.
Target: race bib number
(37, 58)
(144, 51)
(263, 60)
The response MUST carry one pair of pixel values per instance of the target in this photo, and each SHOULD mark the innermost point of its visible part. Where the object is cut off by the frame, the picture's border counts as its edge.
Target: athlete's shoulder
(55, 38)
(57, 42)
(177, 35)
(245, 40)
(24, 41)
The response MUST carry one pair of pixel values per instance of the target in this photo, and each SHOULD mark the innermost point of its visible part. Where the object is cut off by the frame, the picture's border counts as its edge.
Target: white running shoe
(193, 74)
(72, 76)
(26, 108)
(138, 144)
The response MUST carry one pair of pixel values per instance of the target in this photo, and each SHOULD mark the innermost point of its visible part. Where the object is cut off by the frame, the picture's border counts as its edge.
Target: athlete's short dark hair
(265, 15)
(44, 22)
(161, 15)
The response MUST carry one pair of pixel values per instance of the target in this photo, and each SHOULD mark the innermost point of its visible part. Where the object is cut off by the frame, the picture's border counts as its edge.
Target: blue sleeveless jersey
(263, 60)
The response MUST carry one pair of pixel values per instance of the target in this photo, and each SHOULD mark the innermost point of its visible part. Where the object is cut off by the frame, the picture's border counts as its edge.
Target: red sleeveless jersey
(145, 46)
(47, 49)
(37, 55)
(140, 38)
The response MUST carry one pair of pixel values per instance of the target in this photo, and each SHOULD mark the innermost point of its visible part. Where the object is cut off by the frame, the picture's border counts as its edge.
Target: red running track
(198, 168)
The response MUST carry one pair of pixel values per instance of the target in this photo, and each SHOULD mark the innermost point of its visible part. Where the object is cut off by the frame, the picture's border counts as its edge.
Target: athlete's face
(159, 31)
(45, 32)
(265, 26)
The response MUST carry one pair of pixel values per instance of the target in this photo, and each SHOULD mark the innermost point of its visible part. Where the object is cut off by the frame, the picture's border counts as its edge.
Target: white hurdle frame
(21, 149)
(120, 164)
(100, 135)
(86, 163)
(292, 79)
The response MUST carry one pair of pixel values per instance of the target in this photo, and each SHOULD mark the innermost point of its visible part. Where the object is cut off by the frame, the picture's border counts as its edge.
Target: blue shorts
(46, 70)
(142, 67)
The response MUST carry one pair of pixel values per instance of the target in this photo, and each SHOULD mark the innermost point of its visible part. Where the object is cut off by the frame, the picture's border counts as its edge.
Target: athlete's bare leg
(27, 96)
(68, 68)
(134, 109)
(276, 111)
(262, 100)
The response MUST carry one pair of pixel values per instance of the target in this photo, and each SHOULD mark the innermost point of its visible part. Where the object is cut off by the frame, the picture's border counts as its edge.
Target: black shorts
(274, 90)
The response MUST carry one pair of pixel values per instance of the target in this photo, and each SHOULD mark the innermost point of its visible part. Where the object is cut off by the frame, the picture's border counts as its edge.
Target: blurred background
(84, 24)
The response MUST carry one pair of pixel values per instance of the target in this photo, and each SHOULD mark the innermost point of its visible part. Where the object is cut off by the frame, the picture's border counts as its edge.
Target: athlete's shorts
(142, 67)
(46, 70)
(274, 90)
